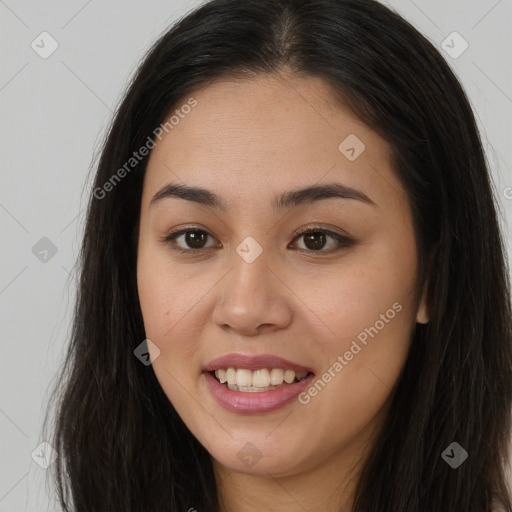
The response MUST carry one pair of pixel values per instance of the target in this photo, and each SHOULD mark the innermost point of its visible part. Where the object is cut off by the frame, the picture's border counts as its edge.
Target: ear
(422, 316)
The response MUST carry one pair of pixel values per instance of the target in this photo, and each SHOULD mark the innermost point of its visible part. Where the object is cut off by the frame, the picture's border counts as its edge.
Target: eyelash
(344, 242)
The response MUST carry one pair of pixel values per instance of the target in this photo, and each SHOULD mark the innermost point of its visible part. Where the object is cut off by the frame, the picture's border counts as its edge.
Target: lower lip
(258, 401)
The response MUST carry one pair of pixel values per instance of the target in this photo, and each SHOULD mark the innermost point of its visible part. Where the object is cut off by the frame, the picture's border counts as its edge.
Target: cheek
(367, 312)
(169, 303)
(169, 308)
(352, 296)
(363, 352)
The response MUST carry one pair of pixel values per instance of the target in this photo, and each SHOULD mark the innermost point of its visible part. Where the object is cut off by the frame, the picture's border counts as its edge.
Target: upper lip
(256, 362)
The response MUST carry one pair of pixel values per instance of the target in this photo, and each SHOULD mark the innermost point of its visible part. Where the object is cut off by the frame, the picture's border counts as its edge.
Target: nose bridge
(250, 266)
(251, 296)
(250, 278)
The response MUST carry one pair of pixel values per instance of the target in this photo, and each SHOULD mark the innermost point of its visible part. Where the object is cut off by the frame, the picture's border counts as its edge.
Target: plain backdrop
(54, 112)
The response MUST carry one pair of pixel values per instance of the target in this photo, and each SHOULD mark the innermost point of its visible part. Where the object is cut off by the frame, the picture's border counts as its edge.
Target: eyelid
(317, 227)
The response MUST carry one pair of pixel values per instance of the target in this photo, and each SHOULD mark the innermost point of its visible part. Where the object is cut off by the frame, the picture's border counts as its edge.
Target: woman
(292, 291)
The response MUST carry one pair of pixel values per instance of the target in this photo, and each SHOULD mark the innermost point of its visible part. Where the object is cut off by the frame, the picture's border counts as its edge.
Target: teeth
(231, 376)
(221, 375)
(276, 376)
(261, 379)
(289, 376)
(244, 378)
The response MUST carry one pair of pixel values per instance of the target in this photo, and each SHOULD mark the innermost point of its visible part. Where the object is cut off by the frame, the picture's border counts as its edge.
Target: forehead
(269, 133)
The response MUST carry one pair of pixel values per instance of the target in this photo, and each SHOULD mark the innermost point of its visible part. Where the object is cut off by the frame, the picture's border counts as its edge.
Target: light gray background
(54, 113)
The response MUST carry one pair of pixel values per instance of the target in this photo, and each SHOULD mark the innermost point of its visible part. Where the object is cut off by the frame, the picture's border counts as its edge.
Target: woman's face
(249, 283)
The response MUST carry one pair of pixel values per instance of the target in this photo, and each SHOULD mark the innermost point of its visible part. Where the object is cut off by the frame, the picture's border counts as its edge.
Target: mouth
(257, 381)
(255, 384)
(250, 392)
(256, 373)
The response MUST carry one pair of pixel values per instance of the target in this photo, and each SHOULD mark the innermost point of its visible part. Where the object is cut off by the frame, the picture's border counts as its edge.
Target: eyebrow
(287, 200)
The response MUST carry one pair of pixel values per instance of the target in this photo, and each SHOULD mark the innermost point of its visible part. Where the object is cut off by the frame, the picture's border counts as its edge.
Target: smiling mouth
(265, 379)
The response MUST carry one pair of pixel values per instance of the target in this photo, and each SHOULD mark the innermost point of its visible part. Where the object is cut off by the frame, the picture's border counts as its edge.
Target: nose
(252, 299)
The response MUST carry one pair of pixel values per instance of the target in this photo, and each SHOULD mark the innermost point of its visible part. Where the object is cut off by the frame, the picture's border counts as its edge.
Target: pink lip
(253, 363)
(257, 402)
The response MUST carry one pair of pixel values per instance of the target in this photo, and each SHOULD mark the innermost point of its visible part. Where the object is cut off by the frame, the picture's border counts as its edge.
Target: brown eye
(188, 240)
(195, 239)
(315, 240)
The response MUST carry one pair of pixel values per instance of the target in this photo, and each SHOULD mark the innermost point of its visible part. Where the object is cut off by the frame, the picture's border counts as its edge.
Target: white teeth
(221, 375)
(261, 379)
(276, 376)
(244, 378)
(231, 376)
(289, 376)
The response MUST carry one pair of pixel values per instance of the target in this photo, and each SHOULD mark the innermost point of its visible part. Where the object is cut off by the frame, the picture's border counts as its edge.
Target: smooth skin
(249, 141)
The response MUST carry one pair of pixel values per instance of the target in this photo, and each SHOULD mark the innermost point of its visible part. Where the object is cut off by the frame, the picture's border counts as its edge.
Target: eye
(191, 239)
(315, 239)
(188, 240)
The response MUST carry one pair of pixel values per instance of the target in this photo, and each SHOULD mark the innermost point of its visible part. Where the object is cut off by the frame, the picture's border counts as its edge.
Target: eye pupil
(195, 239)
(315, 244)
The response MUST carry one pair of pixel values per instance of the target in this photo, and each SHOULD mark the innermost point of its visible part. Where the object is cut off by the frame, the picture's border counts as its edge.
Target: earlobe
(422, 316)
